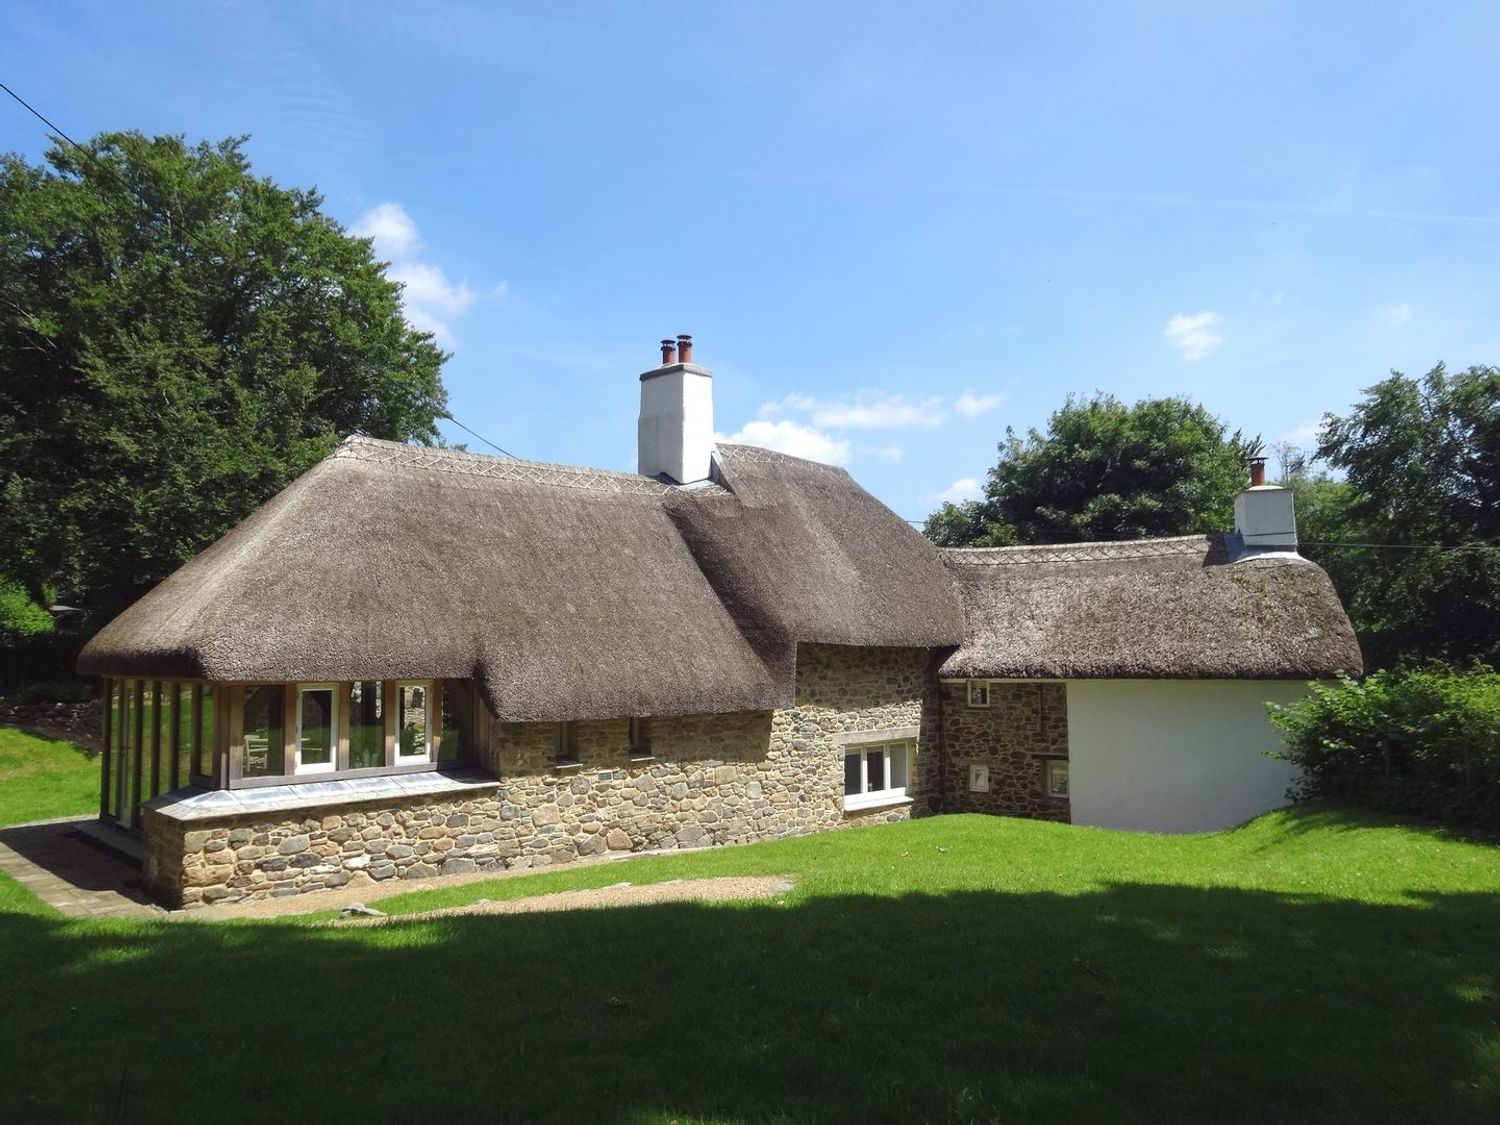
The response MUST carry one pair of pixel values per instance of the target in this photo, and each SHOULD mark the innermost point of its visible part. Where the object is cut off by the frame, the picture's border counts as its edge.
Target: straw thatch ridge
(566, 593)
(1150, 609)
(803, 553)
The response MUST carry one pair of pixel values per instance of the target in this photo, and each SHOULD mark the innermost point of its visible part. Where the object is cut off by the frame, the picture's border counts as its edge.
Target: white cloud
(968, 488)
(391, 227)
(1394, 316)
(867, 410)
(791, 437)
(430, 300)
(971, 405)
(1194, 336)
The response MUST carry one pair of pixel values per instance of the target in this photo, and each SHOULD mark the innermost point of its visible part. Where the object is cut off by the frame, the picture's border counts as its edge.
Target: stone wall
(1025, 725)
(708, 779)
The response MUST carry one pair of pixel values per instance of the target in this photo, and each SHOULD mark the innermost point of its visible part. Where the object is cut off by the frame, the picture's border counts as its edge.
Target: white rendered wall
(1175, 755)
(675, 432)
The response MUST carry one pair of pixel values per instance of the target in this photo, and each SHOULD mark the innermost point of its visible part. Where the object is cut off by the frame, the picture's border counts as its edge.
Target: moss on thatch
(1159, 608)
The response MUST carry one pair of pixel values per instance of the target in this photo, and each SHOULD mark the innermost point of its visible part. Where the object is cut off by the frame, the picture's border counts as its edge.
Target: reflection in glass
(851, 773)
(263, 739)
(411, 720)
(898, 767)
(455, 701)
(315, 737)
(184, 764)
(366, 725)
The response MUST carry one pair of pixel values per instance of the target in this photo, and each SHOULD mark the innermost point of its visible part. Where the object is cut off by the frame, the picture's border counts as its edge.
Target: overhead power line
(42, 117)
(481, 437)
(31, 109)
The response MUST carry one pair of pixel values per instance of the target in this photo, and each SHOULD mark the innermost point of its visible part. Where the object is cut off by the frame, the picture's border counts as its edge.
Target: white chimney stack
(675, 434)
(1265, 518)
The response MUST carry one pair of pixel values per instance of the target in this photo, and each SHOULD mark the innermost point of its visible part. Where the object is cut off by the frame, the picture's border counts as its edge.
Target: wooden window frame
(982, 685)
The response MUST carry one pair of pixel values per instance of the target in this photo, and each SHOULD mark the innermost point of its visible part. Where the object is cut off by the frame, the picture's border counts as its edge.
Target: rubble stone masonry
(1024, 726)
(697, 780)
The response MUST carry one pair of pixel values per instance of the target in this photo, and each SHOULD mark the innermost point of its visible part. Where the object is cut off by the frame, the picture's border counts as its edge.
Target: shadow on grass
(1312, 817)
(1136, 1003)
(85, 743)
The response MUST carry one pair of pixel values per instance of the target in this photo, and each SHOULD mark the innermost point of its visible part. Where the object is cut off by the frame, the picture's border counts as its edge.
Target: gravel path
(724, 889)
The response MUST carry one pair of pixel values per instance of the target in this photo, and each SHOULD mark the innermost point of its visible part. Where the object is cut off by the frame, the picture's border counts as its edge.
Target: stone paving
(60, 862)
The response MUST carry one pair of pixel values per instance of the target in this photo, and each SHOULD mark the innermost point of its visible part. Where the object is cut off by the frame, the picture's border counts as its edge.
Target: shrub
(1418, 740)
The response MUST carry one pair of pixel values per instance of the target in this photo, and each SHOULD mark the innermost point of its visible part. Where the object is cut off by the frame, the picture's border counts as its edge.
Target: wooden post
(291, 704)
(343, 695)
(195, 735)
(435, 721)
(156, 718)
(109, 746)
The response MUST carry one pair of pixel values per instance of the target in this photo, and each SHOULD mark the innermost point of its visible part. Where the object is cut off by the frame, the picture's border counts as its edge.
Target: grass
(1314, 965)
(41, 778)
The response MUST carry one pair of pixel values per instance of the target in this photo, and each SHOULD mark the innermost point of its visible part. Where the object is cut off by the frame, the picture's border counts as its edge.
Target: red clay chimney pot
(1257, 472)
(684, 348)
(668, 352)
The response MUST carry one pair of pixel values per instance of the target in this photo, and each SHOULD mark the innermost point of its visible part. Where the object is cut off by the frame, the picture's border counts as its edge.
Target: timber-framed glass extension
(163, 735)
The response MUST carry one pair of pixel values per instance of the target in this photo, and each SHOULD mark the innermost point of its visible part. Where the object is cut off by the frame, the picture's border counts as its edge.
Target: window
(1056, 776)
(875, 775)
(263, 742)
(366, 725)
(979, 693)
(413, 722)
(565, 749)
(639, 739)
(317, 745)
(458, 711)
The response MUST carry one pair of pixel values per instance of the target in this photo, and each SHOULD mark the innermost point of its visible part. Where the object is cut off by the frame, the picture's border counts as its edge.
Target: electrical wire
(29, 108)
(481, 437)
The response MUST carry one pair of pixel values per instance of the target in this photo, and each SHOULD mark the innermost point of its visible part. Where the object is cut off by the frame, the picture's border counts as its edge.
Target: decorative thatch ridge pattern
(1148, 609)
(565, 593)
(377, 452)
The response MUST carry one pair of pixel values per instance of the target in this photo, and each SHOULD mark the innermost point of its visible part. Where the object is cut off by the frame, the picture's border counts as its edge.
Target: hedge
(1413, 740)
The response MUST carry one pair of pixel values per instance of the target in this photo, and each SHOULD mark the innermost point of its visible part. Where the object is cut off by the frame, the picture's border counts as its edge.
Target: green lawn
(1312, 966)
(45, 777)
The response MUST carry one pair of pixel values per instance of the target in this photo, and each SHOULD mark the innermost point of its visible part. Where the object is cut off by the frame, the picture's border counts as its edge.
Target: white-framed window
(413, 722)
(876, 774)
(979, 693)
(317, 745)
(1055, 775)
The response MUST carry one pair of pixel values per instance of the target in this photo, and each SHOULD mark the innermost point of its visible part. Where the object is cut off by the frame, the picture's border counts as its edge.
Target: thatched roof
(1156, 608)
(564, 592)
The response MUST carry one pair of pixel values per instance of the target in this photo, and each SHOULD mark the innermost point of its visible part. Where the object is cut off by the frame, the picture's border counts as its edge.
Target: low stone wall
(81, 721)
(1025, 725)
(710, 779)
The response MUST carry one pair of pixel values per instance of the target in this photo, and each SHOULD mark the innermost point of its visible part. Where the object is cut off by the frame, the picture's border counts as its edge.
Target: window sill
(566, 767)
(638, 759)
(866, 803)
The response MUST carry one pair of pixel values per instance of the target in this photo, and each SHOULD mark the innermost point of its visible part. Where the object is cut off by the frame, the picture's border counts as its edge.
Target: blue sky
(892, 229)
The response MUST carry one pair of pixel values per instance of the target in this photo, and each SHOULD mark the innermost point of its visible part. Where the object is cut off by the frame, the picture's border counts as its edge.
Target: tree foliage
(1421, 460)
(178, 340)
(1105, 470)
(1417, 739)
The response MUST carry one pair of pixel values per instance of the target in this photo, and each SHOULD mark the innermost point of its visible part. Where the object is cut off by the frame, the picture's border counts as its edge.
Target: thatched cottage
(416, 662)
